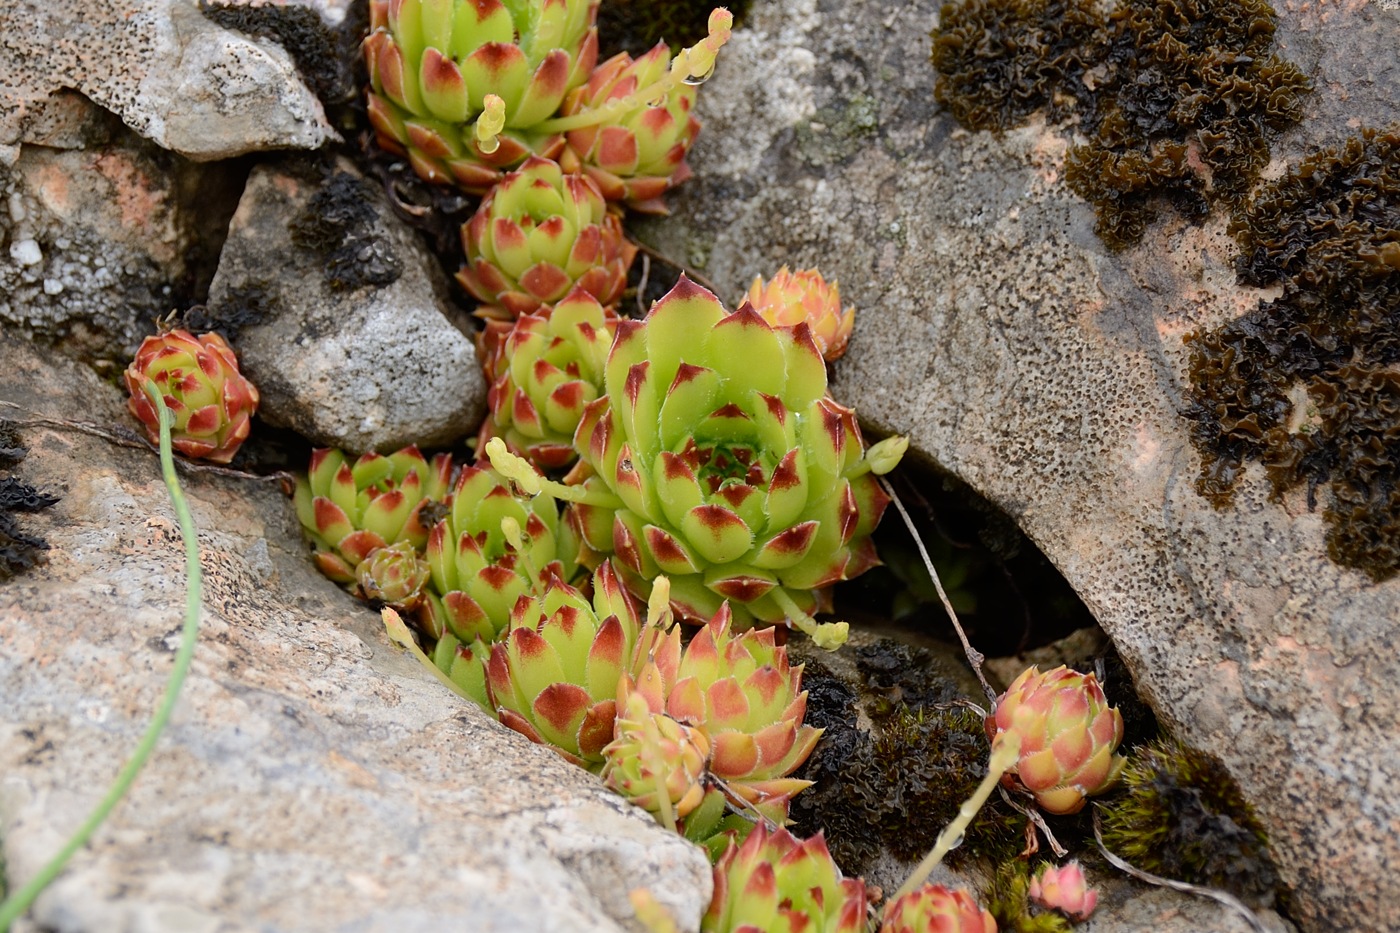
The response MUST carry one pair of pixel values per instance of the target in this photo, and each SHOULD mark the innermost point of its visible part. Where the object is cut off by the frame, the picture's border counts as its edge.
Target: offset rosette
(539, 234)
(1064, 888)
(433, 63)
(747, 698)
(638, 154)
(542, 373)
(776, 884)
(394, 575)
(553, 677)
(936, 908)
(717, 458)
(491, 549)
(210, 401)
(791, 298)
(351, 510)
(656, 762)
(1068, 736)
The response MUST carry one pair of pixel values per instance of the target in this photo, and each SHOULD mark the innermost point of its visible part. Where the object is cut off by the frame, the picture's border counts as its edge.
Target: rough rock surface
(97, 243)
(1017, 352)
(312, 778)
(349, 344)
(170, 74)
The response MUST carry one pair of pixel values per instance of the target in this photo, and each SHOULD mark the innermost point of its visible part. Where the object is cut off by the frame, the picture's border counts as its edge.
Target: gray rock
(353, 349)
(997, 331)
(170, 74)
(97, 243)
(313, 778)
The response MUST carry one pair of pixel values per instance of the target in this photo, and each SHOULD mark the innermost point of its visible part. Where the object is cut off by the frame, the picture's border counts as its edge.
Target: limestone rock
(995, 329)
(348, 342)
(169, 73)
(104, 235)
(313, 778)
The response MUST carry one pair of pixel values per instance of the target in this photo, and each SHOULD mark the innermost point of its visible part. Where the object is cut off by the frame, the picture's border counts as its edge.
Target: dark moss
(894, 789)
(340, 223)
(18, 550)
(1304, 383)
(321, 56)
(898, 676)
(999, 61)
(1182, 816)
(245, 305)
(636, 25)
(1178, 98)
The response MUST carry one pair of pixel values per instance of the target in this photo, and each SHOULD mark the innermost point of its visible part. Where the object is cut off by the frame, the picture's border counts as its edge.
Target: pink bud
(1064, 888)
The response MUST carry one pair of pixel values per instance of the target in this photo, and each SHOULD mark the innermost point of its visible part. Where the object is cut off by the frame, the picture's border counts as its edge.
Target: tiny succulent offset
(717, 458)
(210, 401)
(1064, 888)
(792, 298)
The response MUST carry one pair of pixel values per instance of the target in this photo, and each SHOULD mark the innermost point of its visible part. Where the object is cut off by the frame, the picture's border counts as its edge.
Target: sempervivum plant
(538, 235)
(717, 458)
(490, 549)
(656, 761)
(773, 883)
(936, 909)
(542, 372)
(742, 691)
(1068, 733)
(210, 401)
(395, 575)
(435, 66)
(792, 298)
(350, 510)
(554, 675)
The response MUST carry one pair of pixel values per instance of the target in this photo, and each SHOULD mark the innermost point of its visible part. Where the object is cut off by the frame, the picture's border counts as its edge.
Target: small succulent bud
(1064, 888)
(393, 576)
(805, 297)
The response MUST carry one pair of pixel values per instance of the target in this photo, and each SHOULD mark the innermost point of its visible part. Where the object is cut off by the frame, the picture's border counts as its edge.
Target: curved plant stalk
(15, 906)
(400, 635)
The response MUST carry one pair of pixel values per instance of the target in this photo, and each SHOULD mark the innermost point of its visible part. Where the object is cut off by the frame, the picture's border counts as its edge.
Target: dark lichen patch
(1182, 816)
(245, 305)
(320, 55)
(999, 61)
(339, 223)
(893, 788)
(18, 550)
(1306, 383)
(1178, 99)
(1192, 95)
(636, 25)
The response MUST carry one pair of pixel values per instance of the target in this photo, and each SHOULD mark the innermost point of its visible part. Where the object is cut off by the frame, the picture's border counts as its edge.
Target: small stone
(26, 252)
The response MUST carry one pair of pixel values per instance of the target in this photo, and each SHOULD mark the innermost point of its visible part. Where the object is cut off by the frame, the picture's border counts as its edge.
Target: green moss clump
(1305, 383)
(1182, 816)
(999, 61)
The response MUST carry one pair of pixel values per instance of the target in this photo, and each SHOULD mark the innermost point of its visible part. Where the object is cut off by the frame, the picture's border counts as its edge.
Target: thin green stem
(1004, 754)
(15, 906)
(828, 635)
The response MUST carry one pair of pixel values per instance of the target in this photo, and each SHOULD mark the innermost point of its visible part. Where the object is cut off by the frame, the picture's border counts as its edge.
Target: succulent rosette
(542, 372)
(553, 677)
(1068, 736)
(209, 400)
(936, 909)
(639, 153)
(432, 64)
(717, 458)
(350, 510)
(742, 690)
(774, 883)
(1064, 888)
(792, 298)
(656, 762)
(490, 549)
(394, 575)
(539, 234)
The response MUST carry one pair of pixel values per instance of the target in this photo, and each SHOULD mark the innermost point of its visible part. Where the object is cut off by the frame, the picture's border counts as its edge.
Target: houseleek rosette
(792, 298)
(437, 66)
(210, 401)
(717, 458)
(542, 372)
(538, 235)
(350, 510)
(934, 907)
(777, 884)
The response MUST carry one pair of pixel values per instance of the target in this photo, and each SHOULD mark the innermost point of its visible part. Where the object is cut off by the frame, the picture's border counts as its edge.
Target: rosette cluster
(210, 401)
(716, 457)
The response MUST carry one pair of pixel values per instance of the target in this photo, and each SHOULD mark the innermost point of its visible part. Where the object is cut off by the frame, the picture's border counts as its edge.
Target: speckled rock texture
(170, 74)
(348, 343)
(313, 778)
(97, 243)
(1049, 373)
